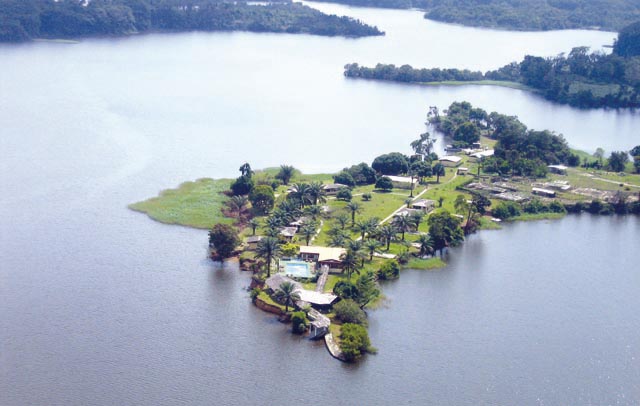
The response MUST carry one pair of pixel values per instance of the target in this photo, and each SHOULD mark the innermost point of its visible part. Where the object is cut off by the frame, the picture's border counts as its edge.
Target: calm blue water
(102, 306)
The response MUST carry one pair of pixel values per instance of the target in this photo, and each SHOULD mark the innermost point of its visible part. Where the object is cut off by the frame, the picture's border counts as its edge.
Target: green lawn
(194, 204)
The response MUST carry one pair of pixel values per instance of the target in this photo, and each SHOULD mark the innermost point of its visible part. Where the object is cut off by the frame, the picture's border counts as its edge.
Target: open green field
(193, 204)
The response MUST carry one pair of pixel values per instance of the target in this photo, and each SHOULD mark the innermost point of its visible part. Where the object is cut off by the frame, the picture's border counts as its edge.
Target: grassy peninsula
(24, 20)
(321, 247)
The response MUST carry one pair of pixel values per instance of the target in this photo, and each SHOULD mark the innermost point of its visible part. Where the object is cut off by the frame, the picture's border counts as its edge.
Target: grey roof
(253, 238)
(274, 282)
(288, 231)
(334, 186)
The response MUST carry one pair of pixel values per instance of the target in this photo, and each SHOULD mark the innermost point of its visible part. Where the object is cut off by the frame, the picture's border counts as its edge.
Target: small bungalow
(299, 223)
(319, 325)
(333, 188)
(329, 256)
(462, 170)
(274, 281)
(424, 205)
(317, 299)
(252, 242)
(407, 212)
(483, 154)
(288, 233)
(450, 160)
(403, 182)
(558, 169)
(543, 192)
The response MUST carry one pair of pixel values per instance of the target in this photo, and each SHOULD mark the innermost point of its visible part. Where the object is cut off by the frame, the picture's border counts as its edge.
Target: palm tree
(287, 294)
(372, 246)
(286, 173)
(350, 262)
(308, 231)
(316, 192)
(342, 219)
(300, 192)
(438, 170)
(362, 227)
(314, 211)
(245, 170)
(254, 223)
(408, 202)
(268, 249)
(402, 224)
(237, 204)
(353, 207)
(426, 244)
(387, 232)
(416, 218)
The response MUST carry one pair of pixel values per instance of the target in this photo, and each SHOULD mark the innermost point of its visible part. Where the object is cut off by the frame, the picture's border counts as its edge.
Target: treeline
(519, 151)
(529, 15)
(581, 78)
(23, 20)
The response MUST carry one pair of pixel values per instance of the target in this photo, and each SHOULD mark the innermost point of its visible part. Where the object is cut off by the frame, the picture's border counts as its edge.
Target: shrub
(507, 210)
(384, 183)
(344, 194)
(389, 270)
(255, 292)
(354, 341)
(366, 197)
(299, 322)
(557, 207)
(262, 198)
(348, 311)
(391, 164)
(344, 178)
(345, 290)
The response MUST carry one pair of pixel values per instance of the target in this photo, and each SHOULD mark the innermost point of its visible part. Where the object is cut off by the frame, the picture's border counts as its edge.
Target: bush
(348, 311)
(354, 341)
(535, 206)
(242, 186)
(345, 290)
(384, 183)
(389, 270)
(299, 322)
(262, 198)
(507, 210)
(557, 207)
(344, 178)
(391, 164)
(255, 292)
(366, 197)
(344, 194)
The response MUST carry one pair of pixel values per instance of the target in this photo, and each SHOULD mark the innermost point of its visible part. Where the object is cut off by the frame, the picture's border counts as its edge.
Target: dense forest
(581, 78)
(529, 15)
(23, 20)
(518, 151)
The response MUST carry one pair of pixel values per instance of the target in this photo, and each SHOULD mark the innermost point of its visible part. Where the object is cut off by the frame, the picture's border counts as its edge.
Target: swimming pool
(298, 269)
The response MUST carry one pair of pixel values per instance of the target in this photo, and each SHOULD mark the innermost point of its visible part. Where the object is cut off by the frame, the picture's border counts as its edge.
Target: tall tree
(224, 239)
(254, 223)
(268, 249)
(402, 224)
(438, 170)
(316, 193)
(286, 173)
(353, 208)
(350, 262)
(387, 232)
(308, 231)
(245, 170)
(287, 294)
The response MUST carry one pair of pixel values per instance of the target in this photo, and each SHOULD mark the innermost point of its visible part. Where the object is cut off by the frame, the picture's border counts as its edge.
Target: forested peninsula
(24, 20)
(522, 15)
(581, 78)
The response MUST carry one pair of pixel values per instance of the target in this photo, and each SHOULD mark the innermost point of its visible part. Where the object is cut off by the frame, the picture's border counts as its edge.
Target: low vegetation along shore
(581, 78)
(24, 20)
(320, 247)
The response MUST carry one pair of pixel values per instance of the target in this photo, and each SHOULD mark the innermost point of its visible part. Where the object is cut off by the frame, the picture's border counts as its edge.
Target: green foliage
(345, 289)
(22, 20)
(467, 133)
(344, 194)
(628, 42)
(262, 198)
(287, 294)
(344, 178)
(367, 197)
(289, 249)
(507, 210)
(360, 174)
(242, 186)
(348, 311)
(393, 163)
(444, 230)
(389, 270)
(384, 183)
(255, 292)
(617, 161)
(224, 239)
(285, 173)
(299, 322)
(367, 287)
(354, 341)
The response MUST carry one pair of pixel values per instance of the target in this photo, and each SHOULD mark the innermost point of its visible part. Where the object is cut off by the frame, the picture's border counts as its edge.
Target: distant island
(522, 15)
(320, 247)
(581, 78)
(25, 20)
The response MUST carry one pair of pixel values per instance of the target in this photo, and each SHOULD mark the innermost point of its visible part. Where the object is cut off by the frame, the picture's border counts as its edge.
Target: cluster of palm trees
(307, 193)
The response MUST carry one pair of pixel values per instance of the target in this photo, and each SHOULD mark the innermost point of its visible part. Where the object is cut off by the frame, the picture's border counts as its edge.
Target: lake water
(102, 306)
